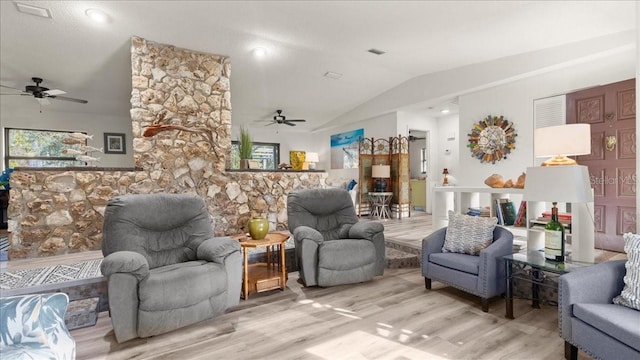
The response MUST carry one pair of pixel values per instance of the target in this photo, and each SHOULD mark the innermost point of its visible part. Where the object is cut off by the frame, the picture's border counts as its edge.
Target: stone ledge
(78, 168)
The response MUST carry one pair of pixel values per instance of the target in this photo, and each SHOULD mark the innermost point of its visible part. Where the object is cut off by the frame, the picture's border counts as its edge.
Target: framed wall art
(114, 143)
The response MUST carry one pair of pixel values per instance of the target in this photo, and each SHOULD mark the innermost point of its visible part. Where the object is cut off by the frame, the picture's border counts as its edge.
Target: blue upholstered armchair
(481, 275)
(332, 246)
(590, 321)
(32, 327)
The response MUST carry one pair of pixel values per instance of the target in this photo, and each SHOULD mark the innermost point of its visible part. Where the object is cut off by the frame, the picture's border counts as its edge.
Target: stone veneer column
(181, 101)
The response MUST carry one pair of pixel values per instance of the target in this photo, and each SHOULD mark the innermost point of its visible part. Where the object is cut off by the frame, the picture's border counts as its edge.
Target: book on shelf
(498, 210)
(522, 215)
(479, 211)
(540, 224)
(507, 211)
(561, 216)
(544, 220)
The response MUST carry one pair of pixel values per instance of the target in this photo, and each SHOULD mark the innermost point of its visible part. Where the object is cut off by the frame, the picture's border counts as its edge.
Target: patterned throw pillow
(630, 296)
(468, 234)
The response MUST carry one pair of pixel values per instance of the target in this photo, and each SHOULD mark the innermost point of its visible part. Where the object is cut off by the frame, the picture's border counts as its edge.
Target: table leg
(508, 270)
(283, 267)
(245, 275)
(268, 255)
(535, 288)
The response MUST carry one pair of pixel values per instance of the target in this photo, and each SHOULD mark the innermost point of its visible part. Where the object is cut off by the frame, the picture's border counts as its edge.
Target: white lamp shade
(380, 171)
(567, 140)
(312, 157)
(558, 184)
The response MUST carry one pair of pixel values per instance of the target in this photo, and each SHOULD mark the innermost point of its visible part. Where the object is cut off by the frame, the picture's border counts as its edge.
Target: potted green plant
(245, 147)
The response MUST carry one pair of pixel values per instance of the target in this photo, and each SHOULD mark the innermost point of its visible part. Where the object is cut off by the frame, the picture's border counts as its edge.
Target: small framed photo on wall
(114, 143)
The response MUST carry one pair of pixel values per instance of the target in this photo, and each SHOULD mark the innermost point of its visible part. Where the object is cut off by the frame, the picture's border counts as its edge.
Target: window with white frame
(423, 160)
(266, 154)
(37, 148)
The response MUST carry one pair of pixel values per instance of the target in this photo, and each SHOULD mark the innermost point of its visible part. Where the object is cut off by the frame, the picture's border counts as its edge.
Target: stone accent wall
(181, 122)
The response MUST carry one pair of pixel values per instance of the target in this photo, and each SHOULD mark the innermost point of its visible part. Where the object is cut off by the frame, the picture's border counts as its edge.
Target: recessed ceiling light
(376, 51)
(96, 15)
(259, 52)
(332, 75)
(444, 111)
(34, 10)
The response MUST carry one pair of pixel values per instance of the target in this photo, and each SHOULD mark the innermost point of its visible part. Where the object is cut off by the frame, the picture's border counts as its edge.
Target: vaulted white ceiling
(304, 40)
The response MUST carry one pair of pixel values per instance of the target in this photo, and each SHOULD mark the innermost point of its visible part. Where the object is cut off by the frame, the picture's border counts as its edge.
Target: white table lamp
(381, 172)
(312, 158)
(562, 141)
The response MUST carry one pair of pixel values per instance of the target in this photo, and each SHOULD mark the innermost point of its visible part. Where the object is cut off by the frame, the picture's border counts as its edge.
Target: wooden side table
(264, 276)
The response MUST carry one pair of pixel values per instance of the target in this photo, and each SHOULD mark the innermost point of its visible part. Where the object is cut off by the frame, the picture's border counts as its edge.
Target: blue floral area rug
(50, 275)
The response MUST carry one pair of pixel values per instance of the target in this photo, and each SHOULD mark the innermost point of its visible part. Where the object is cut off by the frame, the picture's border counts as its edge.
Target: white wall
(383, 126)
(515, 102)
(29, 117)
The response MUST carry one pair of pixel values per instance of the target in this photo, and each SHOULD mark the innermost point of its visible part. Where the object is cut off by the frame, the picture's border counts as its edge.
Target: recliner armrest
(307, 233)
(129, 262)
(365, 230)
(217, 249)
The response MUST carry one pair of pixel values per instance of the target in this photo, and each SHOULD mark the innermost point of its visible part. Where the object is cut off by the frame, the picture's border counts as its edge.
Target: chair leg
(427, 283)
(485, 305)
(570, 351)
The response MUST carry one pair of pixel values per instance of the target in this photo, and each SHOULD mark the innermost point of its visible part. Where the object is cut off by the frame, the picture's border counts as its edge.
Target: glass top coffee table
(532, 267)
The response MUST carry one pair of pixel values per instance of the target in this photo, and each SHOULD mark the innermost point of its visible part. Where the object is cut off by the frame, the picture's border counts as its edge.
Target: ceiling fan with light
(281, 119)
(41, 93)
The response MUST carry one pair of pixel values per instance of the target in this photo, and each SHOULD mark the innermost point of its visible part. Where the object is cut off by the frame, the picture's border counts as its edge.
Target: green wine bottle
(554, 237)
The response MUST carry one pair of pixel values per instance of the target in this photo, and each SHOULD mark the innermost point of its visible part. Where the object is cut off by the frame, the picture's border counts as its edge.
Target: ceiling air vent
(376, 51)
(33, 10)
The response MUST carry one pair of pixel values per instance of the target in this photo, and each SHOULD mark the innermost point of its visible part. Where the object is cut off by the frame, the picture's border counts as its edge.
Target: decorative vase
(258, 228)
(244, 163)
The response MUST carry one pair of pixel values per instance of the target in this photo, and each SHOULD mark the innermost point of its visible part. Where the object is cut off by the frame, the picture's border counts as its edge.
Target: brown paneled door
(611, 111)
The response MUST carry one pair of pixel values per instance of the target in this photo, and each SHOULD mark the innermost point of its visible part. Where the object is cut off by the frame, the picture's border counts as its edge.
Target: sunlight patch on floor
(362, 345)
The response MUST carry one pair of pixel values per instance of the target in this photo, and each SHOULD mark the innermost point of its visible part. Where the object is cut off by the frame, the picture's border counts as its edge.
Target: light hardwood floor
(392, 317)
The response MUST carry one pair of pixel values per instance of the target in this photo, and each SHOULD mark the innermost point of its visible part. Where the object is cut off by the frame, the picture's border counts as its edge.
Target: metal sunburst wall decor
(492, 139)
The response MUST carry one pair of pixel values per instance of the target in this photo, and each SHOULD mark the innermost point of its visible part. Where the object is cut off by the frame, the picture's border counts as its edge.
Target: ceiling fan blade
(297, 120)
(9, 87)
(13, 94)
(54, 92)
(271, 124)
(80, 101)
(288, 123)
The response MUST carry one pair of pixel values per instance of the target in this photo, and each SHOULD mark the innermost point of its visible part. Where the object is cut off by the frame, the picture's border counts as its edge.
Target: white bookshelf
(460, 198)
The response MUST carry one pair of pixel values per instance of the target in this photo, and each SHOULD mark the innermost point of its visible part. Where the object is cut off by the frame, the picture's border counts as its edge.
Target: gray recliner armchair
(165, 269)
(332, 246)
(481, 275)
